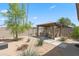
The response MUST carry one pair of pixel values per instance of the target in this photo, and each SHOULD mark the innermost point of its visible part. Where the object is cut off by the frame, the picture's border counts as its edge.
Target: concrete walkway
(54, 42)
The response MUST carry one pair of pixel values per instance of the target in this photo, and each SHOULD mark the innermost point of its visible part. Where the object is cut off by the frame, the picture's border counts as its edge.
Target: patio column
(60, 30)
(37, 31)
(46, 32)
(53, 36)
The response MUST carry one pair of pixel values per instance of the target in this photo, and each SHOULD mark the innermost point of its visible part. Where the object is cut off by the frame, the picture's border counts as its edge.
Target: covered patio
(51, 30)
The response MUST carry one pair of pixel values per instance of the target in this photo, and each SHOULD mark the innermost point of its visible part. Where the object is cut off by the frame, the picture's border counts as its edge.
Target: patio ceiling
(51, 24)
(46, 24)
(77, 7)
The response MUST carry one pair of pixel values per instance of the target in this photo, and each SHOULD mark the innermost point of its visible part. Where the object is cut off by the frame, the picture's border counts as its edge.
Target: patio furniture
(77, 45)
(3, 45)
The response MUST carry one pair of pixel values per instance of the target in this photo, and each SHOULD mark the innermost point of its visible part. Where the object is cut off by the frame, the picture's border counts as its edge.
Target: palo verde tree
(75, 33)
(66, 21)
(16, 19)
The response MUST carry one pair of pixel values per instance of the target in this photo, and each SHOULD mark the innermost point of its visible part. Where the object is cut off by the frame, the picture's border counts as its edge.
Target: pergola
(53, 26)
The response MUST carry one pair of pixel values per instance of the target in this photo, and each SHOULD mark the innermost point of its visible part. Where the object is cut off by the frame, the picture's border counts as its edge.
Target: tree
(75, 33)
(73, 25)
(66, 21)
(61, 20)
(17, 21)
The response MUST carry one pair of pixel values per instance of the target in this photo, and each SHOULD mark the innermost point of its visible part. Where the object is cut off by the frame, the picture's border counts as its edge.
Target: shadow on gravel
(64, 49)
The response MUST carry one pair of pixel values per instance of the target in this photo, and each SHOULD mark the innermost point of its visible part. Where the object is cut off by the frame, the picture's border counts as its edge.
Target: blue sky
(43, 12)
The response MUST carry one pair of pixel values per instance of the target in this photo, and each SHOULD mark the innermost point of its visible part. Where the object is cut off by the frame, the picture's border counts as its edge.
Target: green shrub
(29, 53)
(40, 42)
(75, 33)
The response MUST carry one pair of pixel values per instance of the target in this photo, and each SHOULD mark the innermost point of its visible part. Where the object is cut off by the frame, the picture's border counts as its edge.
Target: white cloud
(4, 11)
(35, 17)
(51, 7)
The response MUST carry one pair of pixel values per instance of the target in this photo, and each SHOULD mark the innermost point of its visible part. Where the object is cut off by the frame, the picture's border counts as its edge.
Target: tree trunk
(16, 35)
(16, 31)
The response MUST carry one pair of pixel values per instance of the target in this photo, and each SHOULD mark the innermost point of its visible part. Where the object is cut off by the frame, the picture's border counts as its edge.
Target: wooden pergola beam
(60, 30)
(37, 31)
(53, 36)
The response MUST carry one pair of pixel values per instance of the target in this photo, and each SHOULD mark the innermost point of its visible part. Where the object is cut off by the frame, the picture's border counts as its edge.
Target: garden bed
(16, 47)
(10, 40)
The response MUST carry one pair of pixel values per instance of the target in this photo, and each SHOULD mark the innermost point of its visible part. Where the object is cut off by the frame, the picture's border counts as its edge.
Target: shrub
(75, 33)
(40, 42)
(23, 47)
(29, 53)
(28, 40)
(63, 39)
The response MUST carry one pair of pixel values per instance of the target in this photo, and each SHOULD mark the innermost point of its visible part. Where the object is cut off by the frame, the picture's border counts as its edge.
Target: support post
(60, 30)
(53, 32)
(37, 31)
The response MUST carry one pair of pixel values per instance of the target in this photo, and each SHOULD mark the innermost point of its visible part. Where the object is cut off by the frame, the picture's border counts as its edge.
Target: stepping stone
(63, 45)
